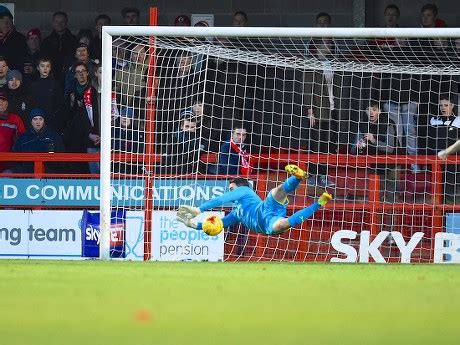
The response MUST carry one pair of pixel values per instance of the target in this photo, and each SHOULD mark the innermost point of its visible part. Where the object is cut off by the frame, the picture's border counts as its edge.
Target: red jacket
(11, 126)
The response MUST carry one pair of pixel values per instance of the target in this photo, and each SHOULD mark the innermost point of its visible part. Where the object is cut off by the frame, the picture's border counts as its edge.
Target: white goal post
(279, 41)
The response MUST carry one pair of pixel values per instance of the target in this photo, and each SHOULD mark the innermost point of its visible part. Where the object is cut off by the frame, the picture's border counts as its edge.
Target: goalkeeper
(266, 217)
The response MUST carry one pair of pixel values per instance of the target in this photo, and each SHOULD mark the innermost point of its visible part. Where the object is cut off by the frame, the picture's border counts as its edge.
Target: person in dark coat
(47, 93)
(60, 44)
(12, 44)
(83, 131)
(38, 138)
(20, 100)
(33, 54)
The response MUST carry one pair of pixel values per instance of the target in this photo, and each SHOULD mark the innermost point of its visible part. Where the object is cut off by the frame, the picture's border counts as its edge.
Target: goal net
(364, 111)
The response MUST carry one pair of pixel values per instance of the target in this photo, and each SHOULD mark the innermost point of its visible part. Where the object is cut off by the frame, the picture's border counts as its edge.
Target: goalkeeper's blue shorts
(271, 211)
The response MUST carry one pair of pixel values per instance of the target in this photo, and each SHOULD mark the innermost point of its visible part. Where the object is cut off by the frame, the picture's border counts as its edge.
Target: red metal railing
(433, 207)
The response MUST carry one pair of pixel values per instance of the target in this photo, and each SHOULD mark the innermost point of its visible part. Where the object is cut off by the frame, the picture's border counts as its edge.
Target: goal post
(265, 81)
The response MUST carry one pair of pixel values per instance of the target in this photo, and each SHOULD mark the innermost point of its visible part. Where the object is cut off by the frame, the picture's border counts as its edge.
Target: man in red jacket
(11, 126)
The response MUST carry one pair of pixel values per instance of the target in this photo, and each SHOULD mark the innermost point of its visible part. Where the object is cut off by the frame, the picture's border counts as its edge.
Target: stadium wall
(261, 12)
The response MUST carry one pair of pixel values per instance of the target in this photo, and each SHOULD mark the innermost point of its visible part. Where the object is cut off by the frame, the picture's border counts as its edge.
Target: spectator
(131, 15)
(12, 44)
(119, 56)
(240, 18)
(96, 80)
(323, 20)
(444, 131)
(391, 16)
(391, 20)
(81, 55)
(182, 20)
(127, 137)
(83, 130)
(85, 36)
(131, 80)
(429, 19)
(11, 126)
(429, 14)
(38, 138)
(376, 135)
(47, 93)
(185, 147)
(20, 100)
(100, 21)
(60, 44)
(399, 94)
(34, 41)
(233, 155)
(322, 92)
(4, 68)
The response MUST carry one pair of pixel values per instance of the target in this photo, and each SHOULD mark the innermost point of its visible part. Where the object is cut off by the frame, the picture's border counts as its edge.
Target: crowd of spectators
(51, 85)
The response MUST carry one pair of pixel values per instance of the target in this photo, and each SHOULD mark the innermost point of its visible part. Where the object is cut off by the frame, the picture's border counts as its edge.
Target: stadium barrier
(367, 213)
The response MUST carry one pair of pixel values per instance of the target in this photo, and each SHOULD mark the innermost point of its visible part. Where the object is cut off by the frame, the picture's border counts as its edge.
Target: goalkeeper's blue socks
(291, 184)
(302, 215)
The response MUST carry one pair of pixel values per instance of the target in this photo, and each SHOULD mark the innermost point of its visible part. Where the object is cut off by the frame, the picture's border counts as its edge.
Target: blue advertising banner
(86, 193)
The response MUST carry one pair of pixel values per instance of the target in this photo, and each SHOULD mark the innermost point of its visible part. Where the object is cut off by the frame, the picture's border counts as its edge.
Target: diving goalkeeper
(267, 216)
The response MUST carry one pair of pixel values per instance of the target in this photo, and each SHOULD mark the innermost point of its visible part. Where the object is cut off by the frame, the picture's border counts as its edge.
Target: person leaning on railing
(38, 138)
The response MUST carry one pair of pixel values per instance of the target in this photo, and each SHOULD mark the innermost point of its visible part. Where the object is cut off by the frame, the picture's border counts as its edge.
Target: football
(213, 225)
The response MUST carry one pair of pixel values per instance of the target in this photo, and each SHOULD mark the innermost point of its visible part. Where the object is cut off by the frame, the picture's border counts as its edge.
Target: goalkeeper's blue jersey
(249, 209)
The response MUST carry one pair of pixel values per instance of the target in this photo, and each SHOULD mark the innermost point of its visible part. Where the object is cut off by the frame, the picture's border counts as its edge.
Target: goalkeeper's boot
(324, 198)
(189, 212)
(294, 170)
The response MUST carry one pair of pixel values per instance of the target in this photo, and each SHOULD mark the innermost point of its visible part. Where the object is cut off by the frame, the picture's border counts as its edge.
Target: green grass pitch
(93, 302)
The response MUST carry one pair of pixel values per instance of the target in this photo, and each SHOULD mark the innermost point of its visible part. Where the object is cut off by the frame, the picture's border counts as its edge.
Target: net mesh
(364, 117)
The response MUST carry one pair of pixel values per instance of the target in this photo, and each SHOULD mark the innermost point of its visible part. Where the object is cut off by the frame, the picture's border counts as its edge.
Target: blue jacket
(46, 140)
(229, 160)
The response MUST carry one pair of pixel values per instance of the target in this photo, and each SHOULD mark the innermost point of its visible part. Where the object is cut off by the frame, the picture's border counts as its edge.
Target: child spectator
(19, 98)
(444, 128)
(11, 126)
(38, 138)
(376, 135)
(47, 93)
(443, 132)
(429, 19)
(240, 18)
(323, 20)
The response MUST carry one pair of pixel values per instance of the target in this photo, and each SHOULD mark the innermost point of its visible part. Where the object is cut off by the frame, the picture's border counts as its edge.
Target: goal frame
(263, 32)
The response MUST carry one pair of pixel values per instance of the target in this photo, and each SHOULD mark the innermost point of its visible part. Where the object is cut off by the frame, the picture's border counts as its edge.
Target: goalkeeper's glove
(324, 198)
(187, 221)
(189, 212)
